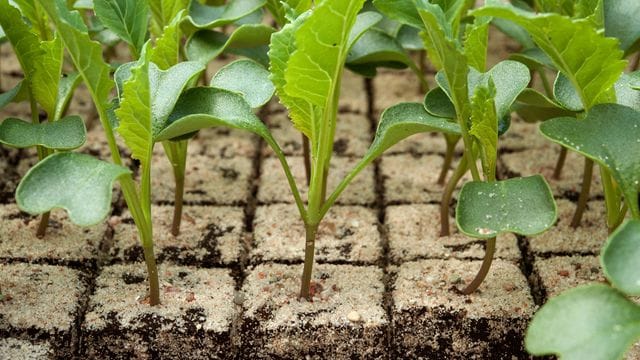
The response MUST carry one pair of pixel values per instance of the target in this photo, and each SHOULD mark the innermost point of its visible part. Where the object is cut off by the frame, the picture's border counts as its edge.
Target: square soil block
(347, 234)
(523, 136)
(208, 180)
(562, 239)
(210, 236)
(194, 316)
(432, 321)
(24, 350)
(274, 187)
(543, 161)
(554, 275)
(345, 319)
(224, 143)
(63, 243)
(42, 302)
(413, 179)
(393, 87)
(353, 135)
(353, 94)
(414, 233)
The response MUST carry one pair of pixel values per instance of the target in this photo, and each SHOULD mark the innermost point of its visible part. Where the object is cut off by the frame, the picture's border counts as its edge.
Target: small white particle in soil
(354, 316)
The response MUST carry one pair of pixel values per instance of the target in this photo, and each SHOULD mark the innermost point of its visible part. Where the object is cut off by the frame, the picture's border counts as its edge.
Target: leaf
(620, 257)
(35, 17)
(523, 206)
(613, 147)
(167, 50)
(126, 18)
(86, 54)
(247, 78)
(66, 88)
(204, 107)
(134, 113)
(484, 127)
(403, 11)
(78, 183)
(533, 58)
(409, 38)
(164, 12)
(66, 134)
(566, 95)
(588, 322)
(627, 93)
(533, 106)
(475, 43)
(26, 44)
(364, 21)
(564, 41)
(17, 93)
(209, 17)
(46, 76)
(437, 103)
(376, 49)
(515, 32)
(621, 21)
(248, 40)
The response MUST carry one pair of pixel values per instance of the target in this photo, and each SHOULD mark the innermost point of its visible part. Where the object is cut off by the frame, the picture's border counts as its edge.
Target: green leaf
(66, 134)
(534, 58)
(566, 95)
(377, 49)
(484, 127)
(437, 103)
(588, 322)
(523, 206)
(475, 43)
(403, 11)
(564, 41)
(210, 17)
(621, 21)
(533, 106)
(46, 76)
(86, 54)
(364, 21)
(515, 32)
(164, 12)
(627, 93)
(167, 48)
(620, 257)
(247, 78)
(613, 147)
(248, 40)
(25, 43)
(35, 17)
(66, 88)
(126, 18)
(17, 93)
(78, 183)
(205, 107)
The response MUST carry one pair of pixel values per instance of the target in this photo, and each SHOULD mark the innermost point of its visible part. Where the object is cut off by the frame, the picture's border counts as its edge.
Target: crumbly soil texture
(384, 284)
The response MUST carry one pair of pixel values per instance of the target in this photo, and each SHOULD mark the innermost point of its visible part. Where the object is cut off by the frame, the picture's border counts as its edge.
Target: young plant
(41, 57)
(596, 321)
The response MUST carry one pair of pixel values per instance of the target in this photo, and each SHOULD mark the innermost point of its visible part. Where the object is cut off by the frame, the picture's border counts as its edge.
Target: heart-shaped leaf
(66, 134)
(209, 17)
(620, 257)
(247, 40)
(523, 206)
(78, 183)
(247, 78)
(609, 135)
(589, 322)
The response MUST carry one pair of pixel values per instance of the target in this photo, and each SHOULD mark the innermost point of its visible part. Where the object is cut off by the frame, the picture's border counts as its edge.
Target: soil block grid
(42, 302)
(210, 236)
(344, 320)
(194, 317)
(432, 321)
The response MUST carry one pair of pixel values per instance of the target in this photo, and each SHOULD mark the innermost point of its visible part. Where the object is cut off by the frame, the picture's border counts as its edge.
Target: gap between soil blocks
(383, 279)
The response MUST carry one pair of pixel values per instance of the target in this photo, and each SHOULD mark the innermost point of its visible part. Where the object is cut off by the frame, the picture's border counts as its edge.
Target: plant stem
(484, 269)
(309, 251)
(447, 194)
(42, 153)
(306, 152)
(152, 270)
(557, 172)
(584, 193)
(44, 223)
(448, 159)
(177, 153)
(612, 199)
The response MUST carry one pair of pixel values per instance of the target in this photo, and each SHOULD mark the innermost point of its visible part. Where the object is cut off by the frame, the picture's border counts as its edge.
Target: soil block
(414, 233)
(274, 187)
(345, 319)
(432, 321)
(523, 136)
(63, 243)
(194, 317)
(560, 273)
(348, 234)
(224, 143)
(209, 236)
(24, 350)
(353, 94)
(41, 302)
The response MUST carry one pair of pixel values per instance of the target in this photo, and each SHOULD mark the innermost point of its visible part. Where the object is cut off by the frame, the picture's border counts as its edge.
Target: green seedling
(595, 321)
(40, 54)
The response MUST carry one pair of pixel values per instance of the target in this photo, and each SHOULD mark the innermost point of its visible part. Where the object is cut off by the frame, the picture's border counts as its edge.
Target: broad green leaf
(248, 40)
(209, 17)
(25, 43)
(15, 94)
(46, 76)
(164, 12)
(66, 134)
(409, 38)
(127, 18)
(134, 113)
(534, 58)
(78, 183)
(627, 93)
(621, 21)
(484, 127)
(66, 88)
(377, 49)
(589, 322)
(533, 106)
(205, 107)
(523, 206)
(437, 103)
(566, 95)
(364, 21)
(564, 41)
(614, 147)
(166, 52)
(515, 32)
(620, 257)
(86, 54)
(403, 11)
(247, 78)
(35, 16)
